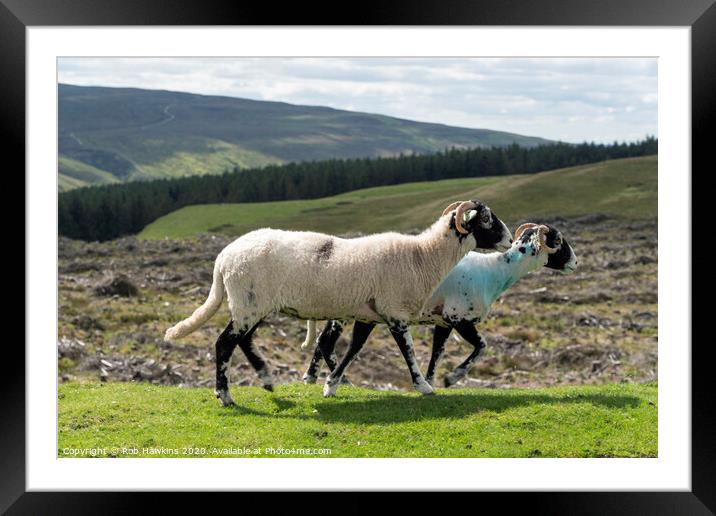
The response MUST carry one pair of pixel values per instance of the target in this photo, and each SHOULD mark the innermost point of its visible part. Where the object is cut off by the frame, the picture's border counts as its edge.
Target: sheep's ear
(470, 215)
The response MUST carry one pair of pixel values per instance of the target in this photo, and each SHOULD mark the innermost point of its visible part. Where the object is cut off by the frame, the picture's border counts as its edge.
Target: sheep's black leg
(327, 348)
(325, 345)
(401, 334)
(255, 359)
(468, 332)
(311, 374)
(326, 340)
(225, 345)
(361, 331)
(440, 335)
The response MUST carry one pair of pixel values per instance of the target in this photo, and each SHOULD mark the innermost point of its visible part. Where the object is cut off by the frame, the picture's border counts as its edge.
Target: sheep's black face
(489, 231)
(564, 260)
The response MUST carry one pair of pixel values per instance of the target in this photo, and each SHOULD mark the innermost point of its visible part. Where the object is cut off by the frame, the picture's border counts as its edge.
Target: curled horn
(459, 215)
(523, 228)
(543, 230)
(451, 207)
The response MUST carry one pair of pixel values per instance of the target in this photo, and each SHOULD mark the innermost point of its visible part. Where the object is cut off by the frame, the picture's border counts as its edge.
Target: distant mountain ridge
(110, 135)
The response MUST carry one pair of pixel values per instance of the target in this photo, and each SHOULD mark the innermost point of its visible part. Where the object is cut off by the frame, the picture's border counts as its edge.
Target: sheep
(466, 294)
(383, 277)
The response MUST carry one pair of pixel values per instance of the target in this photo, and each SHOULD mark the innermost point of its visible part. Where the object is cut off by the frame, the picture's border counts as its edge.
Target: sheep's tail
(310, 333)
(201, 314)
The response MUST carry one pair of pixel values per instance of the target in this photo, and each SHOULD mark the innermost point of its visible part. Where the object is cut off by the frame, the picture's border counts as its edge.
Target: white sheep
(465, 296)
(384, 277)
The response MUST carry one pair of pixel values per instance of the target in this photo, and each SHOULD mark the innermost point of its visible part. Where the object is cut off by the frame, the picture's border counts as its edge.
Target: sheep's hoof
(225, 398)
(309, 379)
(424, 387)
(329, 390)
(452, 378)
(268, 387)
(431, 382)
(345, 381)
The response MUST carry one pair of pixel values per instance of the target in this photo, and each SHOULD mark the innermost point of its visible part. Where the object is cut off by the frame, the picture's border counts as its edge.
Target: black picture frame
(700, 15)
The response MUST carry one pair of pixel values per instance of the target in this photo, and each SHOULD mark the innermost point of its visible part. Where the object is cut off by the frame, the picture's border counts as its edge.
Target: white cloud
(595, 99)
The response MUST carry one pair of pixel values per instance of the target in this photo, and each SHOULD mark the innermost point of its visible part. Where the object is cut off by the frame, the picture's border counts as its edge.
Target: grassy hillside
(74, 174)
(139, 134)
(603, 421)
(624, 188)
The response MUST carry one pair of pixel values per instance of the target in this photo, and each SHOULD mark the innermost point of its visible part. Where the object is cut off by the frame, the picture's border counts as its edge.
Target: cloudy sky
(568, 99)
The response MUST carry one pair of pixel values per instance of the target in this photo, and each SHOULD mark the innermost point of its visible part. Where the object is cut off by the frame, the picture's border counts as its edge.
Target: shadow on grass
(400, 408)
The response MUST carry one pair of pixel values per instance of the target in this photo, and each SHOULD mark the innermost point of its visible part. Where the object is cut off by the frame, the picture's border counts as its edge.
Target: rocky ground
(597, 325)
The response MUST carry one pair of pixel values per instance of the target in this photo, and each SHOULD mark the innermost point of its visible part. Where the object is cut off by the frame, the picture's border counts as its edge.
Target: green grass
(624, 188)
(584, 421)
(74, 174)
(198, 156)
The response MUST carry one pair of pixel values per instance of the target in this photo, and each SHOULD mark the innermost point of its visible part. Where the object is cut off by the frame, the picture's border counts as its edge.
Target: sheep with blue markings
(465, 296)
(378, 278)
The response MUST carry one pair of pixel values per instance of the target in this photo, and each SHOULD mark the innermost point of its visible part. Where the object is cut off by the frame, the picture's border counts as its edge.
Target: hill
(623, 188)
(118, 134)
